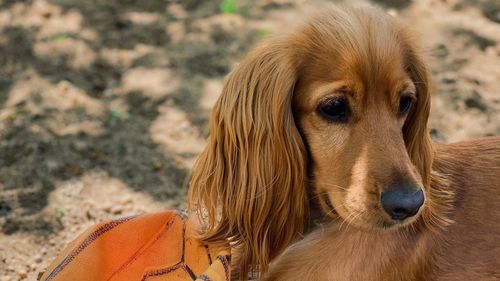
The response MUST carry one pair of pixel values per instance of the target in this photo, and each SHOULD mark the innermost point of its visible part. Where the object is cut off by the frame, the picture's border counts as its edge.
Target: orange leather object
(151, 247)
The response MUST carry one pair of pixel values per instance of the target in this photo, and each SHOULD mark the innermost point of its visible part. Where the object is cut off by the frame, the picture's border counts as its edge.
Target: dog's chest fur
(344, 253)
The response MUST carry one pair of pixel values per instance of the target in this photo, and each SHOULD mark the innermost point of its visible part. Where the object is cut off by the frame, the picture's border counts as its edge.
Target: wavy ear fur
(416, 135)
(419, 143)
(249, 184)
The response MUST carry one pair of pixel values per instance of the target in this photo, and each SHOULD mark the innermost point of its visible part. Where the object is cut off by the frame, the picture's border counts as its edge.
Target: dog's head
(361, 102)
(339, 106)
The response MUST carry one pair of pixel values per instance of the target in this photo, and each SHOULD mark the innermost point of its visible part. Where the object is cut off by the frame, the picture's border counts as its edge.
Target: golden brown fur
(272, 157)
(467, 249)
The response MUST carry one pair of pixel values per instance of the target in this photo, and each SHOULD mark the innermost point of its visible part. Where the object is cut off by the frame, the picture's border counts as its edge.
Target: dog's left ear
(250, 181)
(415, 131)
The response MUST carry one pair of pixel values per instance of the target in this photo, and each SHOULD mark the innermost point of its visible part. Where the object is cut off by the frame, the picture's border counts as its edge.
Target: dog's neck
(349, 253)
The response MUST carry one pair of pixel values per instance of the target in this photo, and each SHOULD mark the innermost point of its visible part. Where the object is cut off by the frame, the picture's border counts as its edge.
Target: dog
(320, 165)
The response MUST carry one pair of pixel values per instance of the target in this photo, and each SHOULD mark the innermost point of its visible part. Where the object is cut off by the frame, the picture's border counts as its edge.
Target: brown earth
(104, 104)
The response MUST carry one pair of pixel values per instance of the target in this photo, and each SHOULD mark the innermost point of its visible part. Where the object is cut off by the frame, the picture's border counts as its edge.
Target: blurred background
(104, 104)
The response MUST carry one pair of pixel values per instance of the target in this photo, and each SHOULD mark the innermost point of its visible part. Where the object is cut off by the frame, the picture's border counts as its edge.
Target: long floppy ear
(415, 131)
(249, 182)
(439, 198)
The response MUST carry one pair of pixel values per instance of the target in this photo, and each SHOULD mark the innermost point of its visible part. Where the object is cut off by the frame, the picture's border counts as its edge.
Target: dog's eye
(405, 104)
(336, 110)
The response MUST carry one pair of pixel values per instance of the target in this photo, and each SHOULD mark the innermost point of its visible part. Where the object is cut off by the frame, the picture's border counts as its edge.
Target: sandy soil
(104, 104)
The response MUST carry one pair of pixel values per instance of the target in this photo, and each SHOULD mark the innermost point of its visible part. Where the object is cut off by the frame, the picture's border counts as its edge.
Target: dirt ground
(104, 104)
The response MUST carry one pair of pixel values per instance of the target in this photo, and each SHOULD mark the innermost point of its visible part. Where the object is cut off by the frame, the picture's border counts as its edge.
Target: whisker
(318, 195)
(330, 212)
(357, 216)
(326, 184)
(346, 221)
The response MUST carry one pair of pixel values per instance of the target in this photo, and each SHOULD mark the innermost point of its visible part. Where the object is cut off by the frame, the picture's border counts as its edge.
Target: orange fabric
(152, 247)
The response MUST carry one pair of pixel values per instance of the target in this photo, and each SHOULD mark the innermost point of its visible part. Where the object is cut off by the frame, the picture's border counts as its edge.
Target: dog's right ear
(439, 198)
(249, 184)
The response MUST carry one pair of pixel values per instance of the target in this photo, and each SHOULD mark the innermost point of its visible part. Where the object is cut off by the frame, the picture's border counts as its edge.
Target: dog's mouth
(393, 224)
(329, 204)
(374, 218)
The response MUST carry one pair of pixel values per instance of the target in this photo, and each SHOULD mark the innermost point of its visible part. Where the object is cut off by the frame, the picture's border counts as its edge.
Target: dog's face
(351, 107)
(354, 131)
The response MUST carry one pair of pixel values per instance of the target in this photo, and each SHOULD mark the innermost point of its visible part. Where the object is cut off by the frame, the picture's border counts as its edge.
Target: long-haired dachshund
(335, 115)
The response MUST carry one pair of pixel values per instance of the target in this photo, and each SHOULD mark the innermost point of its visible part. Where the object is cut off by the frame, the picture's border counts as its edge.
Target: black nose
(402, 201)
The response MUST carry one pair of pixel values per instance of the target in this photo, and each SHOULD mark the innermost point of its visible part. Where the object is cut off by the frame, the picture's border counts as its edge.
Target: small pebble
(126, 200)
(116, 210)
(22, 274)
(89, 215)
